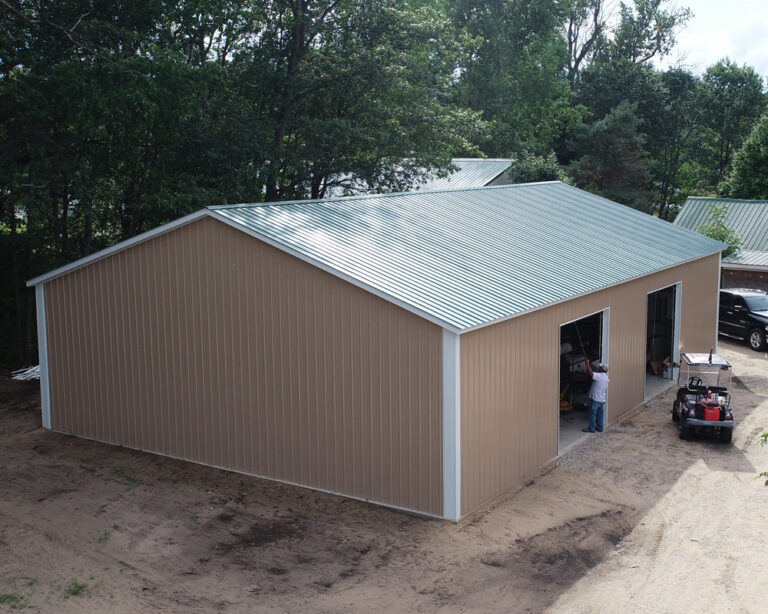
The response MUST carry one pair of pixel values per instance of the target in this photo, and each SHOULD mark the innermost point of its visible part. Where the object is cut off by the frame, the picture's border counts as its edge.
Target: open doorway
(588, 335)
(662, 339)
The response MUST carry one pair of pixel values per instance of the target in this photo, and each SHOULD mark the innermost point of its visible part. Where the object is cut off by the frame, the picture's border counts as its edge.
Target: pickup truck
(744, 315)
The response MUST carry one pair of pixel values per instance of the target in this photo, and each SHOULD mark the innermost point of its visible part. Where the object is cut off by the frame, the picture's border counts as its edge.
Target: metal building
(472, 173)
(748, 267)
(402, 349)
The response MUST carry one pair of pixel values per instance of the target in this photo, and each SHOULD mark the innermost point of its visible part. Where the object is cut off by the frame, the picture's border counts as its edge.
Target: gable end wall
(208, 345)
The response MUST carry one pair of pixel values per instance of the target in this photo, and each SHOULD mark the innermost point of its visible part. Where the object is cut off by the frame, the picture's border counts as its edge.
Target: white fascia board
(451, 425)
(42, 350)
(118, 247)
(336, 273)
(760, 268)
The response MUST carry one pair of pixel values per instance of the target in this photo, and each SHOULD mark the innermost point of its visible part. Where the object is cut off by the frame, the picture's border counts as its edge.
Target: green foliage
(646, 30)
(124, 116)
(716, 228)
(511, 71)
(732, 101)
(611, 159)
(749, 177)
(528, 167)
(674, 144)
(14, 601)
(75, 589)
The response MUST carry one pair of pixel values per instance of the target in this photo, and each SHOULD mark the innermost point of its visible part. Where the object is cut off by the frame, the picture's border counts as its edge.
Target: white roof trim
(117, 247)
(744, 267)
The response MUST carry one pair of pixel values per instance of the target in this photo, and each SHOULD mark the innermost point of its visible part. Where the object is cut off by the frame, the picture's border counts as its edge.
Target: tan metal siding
(509, 374)
(208, 345)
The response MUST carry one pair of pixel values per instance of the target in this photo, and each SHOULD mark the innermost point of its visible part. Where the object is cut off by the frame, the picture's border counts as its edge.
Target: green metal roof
(467, 258)
(471, 173)
(747, 217)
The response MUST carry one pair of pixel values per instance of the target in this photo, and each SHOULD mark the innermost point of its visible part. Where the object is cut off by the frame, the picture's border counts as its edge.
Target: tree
(512, 71)
(647, 30)
(529, 167)
(611, 159)
(749, 177)
(733, 100)
(584, 31)
(676, 136)
(118, 117)
(716, 228)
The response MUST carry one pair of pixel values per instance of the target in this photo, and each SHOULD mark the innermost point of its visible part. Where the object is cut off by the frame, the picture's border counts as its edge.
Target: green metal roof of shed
(468, 258)
(471, 173)
(747, 217)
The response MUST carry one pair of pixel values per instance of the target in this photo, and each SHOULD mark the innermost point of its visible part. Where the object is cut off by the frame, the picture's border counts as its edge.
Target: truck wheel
(756, 339)
(683, 432)
(726, 435)
(676, 411)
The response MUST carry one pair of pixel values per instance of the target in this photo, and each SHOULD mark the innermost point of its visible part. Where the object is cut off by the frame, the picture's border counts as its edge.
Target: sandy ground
(633, 520)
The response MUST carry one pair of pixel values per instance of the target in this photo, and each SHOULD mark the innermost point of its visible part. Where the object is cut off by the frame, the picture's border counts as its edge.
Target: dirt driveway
(633, 520)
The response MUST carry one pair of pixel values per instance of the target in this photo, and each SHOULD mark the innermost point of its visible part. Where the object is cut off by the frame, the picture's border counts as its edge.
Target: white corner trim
(117, 247)
(42, 349)
(717, 311)
(605, 350)
(678, 327)
(451, 425)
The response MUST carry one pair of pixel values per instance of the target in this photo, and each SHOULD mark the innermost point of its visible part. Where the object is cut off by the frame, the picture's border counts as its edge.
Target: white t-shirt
(599, 387)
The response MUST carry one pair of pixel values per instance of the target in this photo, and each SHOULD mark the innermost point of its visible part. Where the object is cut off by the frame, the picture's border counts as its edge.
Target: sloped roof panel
(472, 173)
(747, 217)
(468, 258)
(748, 258)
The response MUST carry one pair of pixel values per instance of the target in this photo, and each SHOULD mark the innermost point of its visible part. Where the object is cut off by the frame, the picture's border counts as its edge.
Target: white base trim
(451, 425)
(42, 350)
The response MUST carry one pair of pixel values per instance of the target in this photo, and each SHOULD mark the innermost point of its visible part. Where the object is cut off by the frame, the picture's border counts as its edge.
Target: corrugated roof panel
(472, 173)
(470, 257)
(748, 258)
(747, 217)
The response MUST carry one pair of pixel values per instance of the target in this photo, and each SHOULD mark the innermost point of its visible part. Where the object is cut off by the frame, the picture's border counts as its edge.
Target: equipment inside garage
(660, 332)
(577, 339)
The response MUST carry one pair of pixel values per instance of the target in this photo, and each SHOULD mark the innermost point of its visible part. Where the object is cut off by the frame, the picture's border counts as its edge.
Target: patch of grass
(103, 537)
(120, 472)
(14, 601)
(195, 517)
(75, 589)
(32, 582)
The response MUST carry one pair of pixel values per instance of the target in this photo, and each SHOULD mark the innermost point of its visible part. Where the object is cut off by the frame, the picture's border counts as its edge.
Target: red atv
(703, 401)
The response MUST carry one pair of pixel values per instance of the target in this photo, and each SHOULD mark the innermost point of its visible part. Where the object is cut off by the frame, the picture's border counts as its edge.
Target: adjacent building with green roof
(747, 268)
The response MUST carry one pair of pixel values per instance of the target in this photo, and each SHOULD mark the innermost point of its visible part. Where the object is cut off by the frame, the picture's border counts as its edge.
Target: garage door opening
(584, 336)
(662, 339)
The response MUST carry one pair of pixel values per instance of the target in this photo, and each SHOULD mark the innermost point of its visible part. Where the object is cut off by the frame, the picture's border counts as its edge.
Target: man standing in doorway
(597, 397)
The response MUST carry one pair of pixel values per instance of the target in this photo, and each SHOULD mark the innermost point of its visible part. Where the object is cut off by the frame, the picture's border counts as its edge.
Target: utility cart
(703, 403)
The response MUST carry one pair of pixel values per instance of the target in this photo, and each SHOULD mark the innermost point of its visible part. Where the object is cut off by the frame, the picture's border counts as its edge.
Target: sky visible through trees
(116, 117)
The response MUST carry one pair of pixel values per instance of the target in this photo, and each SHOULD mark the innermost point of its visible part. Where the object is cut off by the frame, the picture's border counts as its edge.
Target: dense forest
(118, 116)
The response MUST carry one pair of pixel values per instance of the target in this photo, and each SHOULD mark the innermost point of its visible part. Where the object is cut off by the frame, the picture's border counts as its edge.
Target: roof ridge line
(732, 200)
(357, 197)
